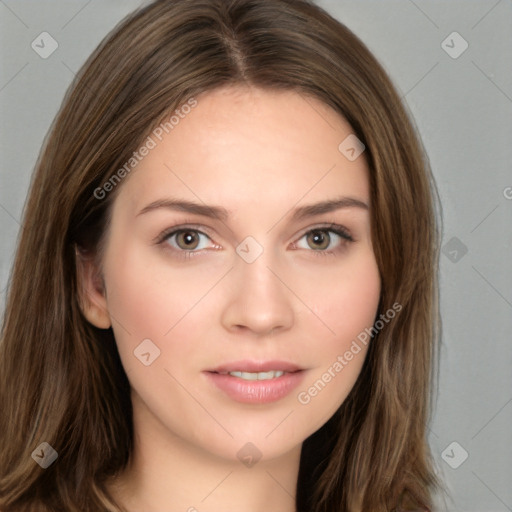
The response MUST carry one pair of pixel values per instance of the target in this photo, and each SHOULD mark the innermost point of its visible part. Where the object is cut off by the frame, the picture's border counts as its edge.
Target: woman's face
(279, 275)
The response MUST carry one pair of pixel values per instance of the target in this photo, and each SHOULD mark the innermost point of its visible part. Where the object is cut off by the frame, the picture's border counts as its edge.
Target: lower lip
(256, 391)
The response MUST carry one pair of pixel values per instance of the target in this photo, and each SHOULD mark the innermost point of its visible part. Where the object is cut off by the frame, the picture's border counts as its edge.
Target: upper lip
(255, 366)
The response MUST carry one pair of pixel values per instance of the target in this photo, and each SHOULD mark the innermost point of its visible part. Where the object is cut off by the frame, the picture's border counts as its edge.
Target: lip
(256, 366)
(256, 391)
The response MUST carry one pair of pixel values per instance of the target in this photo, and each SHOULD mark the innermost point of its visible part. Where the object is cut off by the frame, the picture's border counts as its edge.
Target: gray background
(463, 110)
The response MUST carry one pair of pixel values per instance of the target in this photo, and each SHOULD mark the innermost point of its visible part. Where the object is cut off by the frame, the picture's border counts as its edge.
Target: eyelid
(330, 226)
(204, 230)
(181, 227)
(338, 229)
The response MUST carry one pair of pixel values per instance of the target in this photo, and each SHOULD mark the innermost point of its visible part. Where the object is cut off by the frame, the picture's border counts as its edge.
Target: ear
(91, 291)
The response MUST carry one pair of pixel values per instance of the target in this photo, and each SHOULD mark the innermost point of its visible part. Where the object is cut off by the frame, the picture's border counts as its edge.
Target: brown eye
(325, 240)
(187, 240)
(318, 239)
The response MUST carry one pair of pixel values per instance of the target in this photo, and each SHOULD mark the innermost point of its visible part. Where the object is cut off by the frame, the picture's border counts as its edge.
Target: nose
(258, 299)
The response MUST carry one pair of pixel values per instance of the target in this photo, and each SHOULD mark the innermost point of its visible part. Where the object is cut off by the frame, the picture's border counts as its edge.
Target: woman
(232, 303)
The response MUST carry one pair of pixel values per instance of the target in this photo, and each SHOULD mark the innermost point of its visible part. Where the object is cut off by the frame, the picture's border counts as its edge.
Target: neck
(168, 473)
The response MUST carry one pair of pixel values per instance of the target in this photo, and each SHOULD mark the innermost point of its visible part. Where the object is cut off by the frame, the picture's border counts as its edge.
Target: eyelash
(337, 229)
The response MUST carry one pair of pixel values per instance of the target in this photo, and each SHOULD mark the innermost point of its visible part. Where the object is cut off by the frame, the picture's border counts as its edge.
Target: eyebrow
(220, 213)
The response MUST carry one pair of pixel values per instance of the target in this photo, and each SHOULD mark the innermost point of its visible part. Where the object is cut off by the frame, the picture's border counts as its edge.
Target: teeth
(257, 375)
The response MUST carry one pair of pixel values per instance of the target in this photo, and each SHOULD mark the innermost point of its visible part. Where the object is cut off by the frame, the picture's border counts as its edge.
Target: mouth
(256, 382)
(273, 374)
(256, 367)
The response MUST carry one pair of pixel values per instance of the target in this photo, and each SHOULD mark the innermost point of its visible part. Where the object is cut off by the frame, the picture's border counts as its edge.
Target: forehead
(245, 145)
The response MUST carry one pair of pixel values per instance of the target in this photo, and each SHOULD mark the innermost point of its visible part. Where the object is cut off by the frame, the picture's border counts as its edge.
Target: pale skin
(260, 155)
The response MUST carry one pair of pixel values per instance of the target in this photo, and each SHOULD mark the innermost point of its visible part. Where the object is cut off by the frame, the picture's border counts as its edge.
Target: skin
(259, 154)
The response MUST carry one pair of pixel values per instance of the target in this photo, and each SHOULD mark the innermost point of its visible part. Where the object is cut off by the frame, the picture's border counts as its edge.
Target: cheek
(344, 299)
(145, 299)
(147, 295)
(345, 304)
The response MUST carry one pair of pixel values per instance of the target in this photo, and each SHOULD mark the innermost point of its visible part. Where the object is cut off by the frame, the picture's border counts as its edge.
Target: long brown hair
(61, 379)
